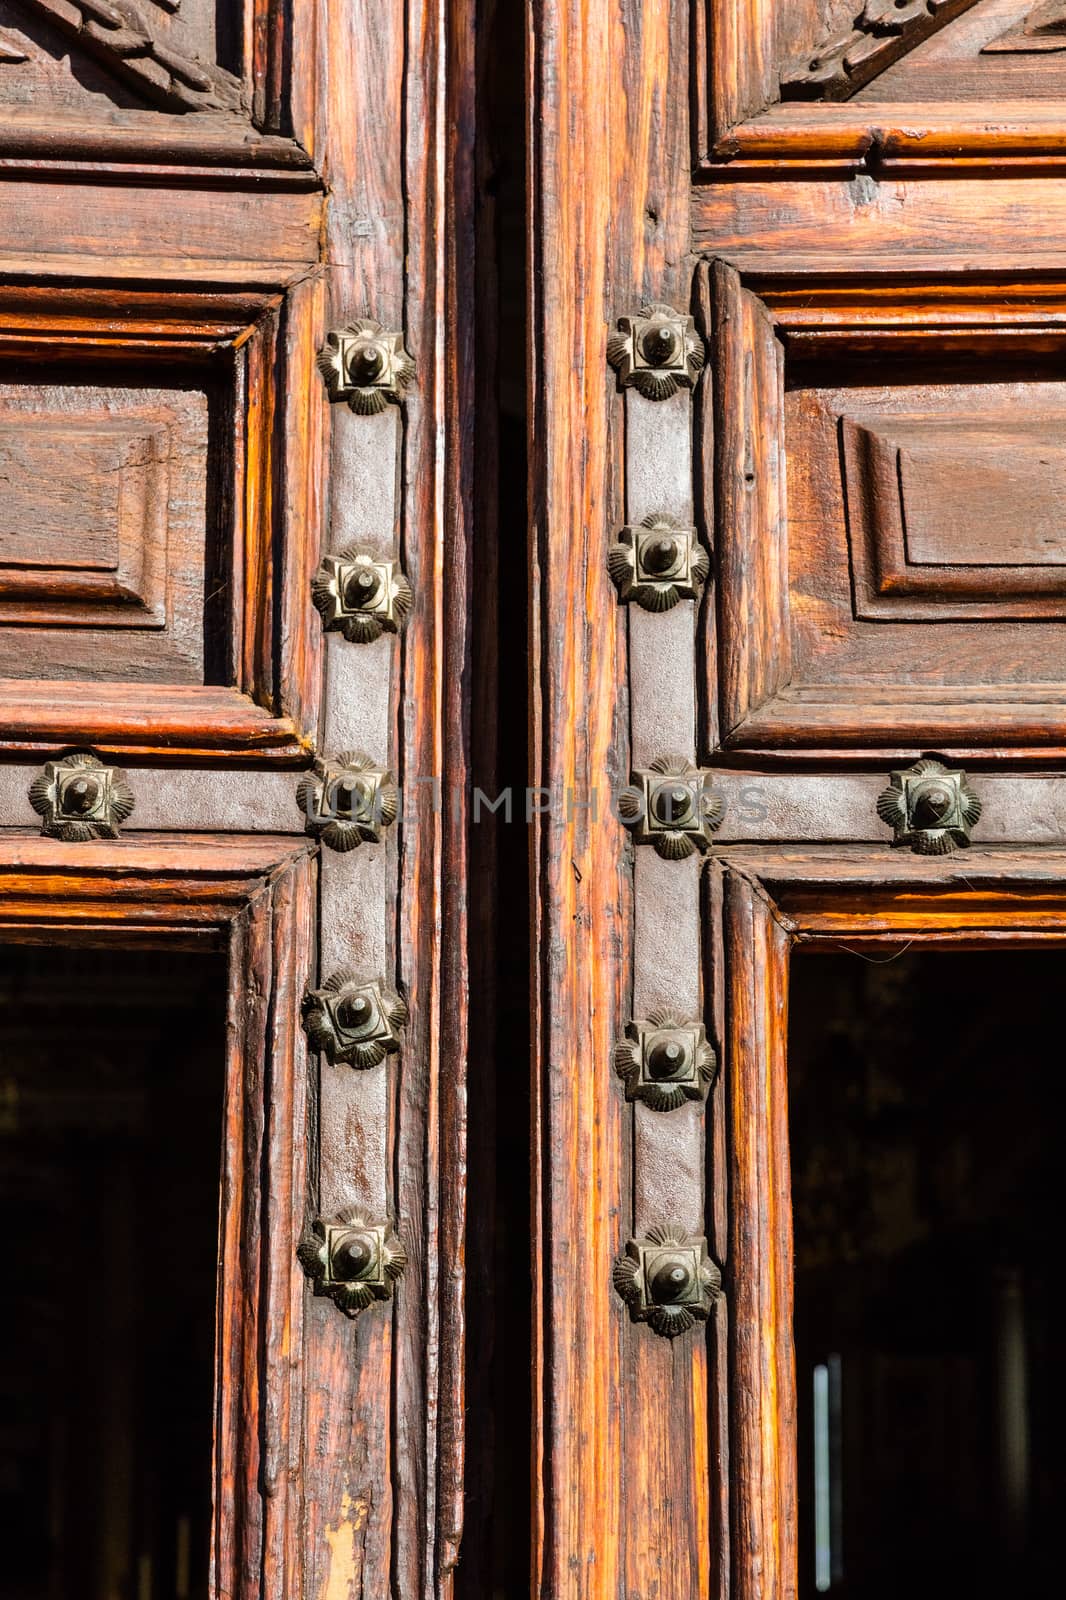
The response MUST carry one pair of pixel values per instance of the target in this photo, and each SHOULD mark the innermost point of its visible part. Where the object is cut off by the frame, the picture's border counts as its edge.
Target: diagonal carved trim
(10, 49)
(884, 30)
(1042, 30)
(119, 36)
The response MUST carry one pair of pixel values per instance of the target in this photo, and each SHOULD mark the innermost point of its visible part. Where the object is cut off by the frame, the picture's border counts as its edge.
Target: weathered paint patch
(344, 1581)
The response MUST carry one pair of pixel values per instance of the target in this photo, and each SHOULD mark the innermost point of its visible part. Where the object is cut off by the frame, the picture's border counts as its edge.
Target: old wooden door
(232, 627)
(797, 343)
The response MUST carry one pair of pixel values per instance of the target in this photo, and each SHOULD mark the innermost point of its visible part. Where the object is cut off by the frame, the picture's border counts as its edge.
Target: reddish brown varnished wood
(828, 898)
(947, 99)
(762, 1383)
(621, 1451)
(880, 236)
(203, 245)
(261, 455)
(385, 1413)
(257, 896)
(837, 421)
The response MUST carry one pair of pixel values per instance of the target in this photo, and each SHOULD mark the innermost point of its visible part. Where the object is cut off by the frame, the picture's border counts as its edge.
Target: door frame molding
(253, 896)
(762, 903)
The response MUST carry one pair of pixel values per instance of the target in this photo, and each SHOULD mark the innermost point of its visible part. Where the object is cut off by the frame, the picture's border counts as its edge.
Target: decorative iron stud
(352, 1260)
(366, 365)
(671, 806)
(931, 807)
(667, 1279)
(656, 352)
(353, 1019)
(361, 595)
(80, 798)
(658, 563)
(347, 800)
(665, 1061)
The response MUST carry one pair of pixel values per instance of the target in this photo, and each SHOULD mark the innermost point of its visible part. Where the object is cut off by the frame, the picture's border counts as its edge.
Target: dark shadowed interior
(925, 1156)
(111, 1080)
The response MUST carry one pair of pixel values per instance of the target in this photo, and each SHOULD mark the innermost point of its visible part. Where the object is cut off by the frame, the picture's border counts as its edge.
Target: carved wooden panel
(796, 77)
(850, 55)
(148, 565)
(103, 518)
(1010, 50)
(212, 69)
(890, 534)
(954, 515)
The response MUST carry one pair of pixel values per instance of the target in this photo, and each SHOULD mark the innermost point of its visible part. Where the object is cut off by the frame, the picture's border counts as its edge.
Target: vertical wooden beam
(759, 1266)
(393, 129)
(620, 1442)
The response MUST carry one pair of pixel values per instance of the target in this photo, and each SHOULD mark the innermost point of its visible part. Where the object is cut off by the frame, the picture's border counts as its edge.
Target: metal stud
(352, 1260)
(664, 1060)
(353, 1020)
(347, 800)
(658, 563)
(671, 806)
(366, 365)
(667, 1279)
(80, 798)
(361, 594)
(656, 352)
(931, 807)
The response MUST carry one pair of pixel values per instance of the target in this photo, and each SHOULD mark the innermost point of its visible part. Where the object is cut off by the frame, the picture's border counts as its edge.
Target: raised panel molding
(956, 517)
(886, 455)
(159, 520)
(204, 81)
(84, 518)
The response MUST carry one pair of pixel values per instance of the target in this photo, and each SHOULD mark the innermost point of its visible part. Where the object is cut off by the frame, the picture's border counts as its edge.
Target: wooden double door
(520, 527)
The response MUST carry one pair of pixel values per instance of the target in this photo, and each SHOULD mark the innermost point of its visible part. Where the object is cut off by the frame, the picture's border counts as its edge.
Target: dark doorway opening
(929, 1301)
(112, 1067)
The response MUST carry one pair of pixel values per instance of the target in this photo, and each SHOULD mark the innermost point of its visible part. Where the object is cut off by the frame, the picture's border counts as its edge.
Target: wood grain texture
(351, 1374)
(941, 98)
(438, 175)
(258, 894)
(751, 591)
(759, 1266)
(43, 221)
(376, 103)
(867, 225)
(802, 574)
(218, 81)
(247, 489)
(987, 138)
(386, 1411)
(847, 897)
(668, 1179)
(849, 58)
(608, 163)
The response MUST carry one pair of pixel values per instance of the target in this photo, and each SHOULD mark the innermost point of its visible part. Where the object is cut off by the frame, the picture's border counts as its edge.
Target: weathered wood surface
(105, 209)
(810, 540)
(385, 1418)
(622, 1497)
(865, 225)
(903, 89)
(259, 894)
(232, 385)
(762, 1405)
(847, 897)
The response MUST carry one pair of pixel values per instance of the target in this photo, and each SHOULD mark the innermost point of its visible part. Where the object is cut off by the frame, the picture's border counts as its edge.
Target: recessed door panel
(111, 1097)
